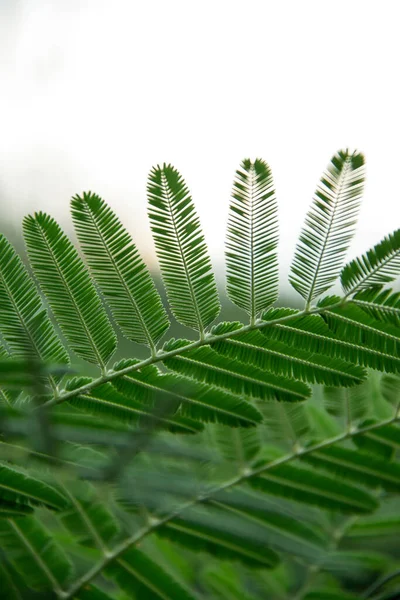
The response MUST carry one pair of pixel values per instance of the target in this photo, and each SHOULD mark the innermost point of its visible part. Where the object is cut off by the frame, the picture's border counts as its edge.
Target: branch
(161, 355)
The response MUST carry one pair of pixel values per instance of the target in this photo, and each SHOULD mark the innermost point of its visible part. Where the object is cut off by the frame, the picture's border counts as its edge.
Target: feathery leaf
(69, 289)
(252, 239)
(329, 226)
(105, 400)
(381, 304)
(206, 365)
(18, 485)
(222, 534)
(376, 267)
(196, 400)
(306, 485)
(39, 560)
(254, 348)
(119, 270)
(24, 322)
(181, 249)
(140, 577)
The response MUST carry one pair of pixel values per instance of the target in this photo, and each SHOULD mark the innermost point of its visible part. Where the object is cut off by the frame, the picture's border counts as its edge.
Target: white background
(94, 93)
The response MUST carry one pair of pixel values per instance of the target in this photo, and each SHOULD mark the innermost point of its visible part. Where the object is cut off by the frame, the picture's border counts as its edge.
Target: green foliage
(289, 467)
(251, 258)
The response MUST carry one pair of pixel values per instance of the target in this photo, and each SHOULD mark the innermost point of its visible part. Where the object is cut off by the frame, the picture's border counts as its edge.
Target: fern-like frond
(140, 577)
(181, 249)
(328, 593)
(69, 289)
(206, 365)
(39, 560)
(196, 400)
(390, 389)
(238, 446)
(352, 324)
(381, 304)
(286, 422)
(329, 226)
(107, 402)
(10, 583)
(352, 404)
(382, 442)
(304, 484)
(252, 239)
(376, 267)
(24, 322)
(17, 485)
(119, 270)
(278, 531)
(222, 534)
(345, 463)
(14, 509)
(88, 517)
(254, 348)
(92, 592)
(311, 333)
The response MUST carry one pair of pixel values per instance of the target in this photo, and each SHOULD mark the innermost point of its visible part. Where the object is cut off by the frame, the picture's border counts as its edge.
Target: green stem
(161, 356)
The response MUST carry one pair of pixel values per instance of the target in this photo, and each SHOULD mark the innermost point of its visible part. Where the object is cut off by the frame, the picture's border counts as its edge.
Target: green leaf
(223, 535)
(39, 560)
(10, 586)
(92, 592)
(16, 374)
(390, 389)
(350, 464)
(306, 485)
(13, 509)
(238, 446)
(329, 226)
(359, 568)
(376, 267)
(181, 249)
(311, 333)
(106, 401)
(382, 441)
(328, 594)
(252, 239)
(286, 422)
(143, 579)
(119, 270)
(351, 403)
(69, 289)
(206, 365)
(375, 526)
(279, 531)
(381, 304)
(18, 485)
(24, 322)
(197, 400)
(354, 325)
(89, 517)
(255, 348)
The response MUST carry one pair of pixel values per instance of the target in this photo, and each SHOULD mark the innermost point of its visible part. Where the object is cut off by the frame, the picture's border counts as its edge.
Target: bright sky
(94, 93)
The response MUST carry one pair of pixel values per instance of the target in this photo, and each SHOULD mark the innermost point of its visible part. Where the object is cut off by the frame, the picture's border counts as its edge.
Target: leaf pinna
(252, 239)
(69, 289)
(181, 250)
(119, 270)
(329, 226)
